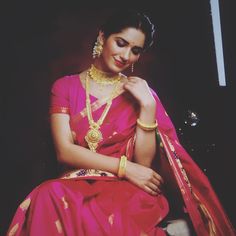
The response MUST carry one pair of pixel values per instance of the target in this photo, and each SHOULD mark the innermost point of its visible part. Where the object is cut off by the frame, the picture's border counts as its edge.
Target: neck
(103, 77)
(101, 65)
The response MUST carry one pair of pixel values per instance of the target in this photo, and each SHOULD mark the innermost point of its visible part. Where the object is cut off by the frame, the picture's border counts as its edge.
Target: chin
(114, 69)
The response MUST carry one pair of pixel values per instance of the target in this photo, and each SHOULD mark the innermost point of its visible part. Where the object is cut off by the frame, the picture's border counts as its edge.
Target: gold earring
(132, 68)
(97, 49)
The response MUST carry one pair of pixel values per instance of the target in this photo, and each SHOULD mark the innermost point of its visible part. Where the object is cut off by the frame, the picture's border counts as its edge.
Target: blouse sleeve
(59, 100)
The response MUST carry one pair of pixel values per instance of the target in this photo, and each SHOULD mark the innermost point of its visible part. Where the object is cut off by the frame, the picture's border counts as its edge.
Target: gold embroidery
(87, 172)
(58, 226)
(130, 146)
(111, 219)
(94, 106)
(179, 162)
(83, 113)
(182, 190)
(205, 212)
(170, 144)
(13, 230)
(25, 204)
(64, 202)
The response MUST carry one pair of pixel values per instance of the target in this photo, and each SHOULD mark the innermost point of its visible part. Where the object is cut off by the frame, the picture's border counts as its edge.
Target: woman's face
(121, 50)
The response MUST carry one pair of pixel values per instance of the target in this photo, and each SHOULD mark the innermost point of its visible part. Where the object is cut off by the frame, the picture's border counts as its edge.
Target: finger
(149, 190)
(158, 177)
(129, 86)
(134, 79)
(154, 187)
(156, 182)
(131, 82)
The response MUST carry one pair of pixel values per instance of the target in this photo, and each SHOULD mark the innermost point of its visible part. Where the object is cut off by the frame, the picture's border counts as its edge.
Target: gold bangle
(147, 127)
(122, 166)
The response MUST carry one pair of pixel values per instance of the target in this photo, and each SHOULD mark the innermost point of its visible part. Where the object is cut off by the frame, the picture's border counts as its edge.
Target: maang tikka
(97, 49)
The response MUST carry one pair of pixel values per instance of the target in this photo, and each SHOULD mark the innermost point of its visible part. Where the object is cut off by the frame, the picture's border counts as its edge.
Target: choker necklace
(101, 77)
(94, 135)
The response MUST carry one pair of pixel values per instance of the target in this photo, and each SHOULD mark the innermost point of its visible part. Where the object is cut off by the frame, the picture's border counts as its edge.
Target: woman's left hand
(140, 90)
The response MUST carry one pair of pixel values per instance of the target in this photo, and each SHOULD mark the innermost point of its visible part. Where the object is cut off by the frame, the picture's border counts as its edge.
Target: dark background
(42, 41)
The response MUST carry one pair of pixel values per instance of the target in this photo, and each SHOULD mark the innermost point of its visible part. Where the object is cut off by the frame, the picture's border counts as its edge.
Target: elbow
(62, 154)
(60, 158)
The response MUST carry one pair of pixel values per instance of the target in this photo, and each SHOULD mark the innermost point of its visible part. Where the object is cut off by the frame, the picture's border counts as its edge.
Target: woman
(123, 166)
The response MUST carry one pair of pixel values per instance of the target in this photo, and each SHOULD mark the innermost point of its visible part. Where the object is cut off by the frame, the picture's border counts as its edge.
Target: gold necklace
(102, 77)
(94, 135)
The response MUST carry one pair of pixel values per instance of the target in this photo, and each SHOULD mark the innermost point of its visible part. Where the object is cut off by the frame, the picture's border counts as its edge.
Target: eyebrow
(140, 48)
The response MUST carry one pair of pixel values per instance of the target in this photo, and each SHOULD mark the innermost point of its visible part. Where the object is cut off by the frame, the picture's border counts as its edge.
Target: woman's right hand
(144, 177)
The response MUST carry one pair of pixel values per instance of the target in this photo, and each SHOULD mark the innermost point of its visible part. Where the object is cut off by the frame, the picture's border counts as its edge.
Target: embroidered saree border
(82, 173)
(186, 188)
(56, 109)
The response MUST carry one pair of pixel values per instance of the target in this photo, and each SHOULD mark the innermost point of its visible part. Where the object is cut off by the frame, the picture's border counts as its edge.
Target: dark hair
(130, 18)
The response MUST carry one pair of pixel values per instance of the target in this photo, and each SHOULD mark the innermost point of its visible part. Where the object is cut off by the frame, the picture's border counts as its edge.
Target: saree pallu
(84, 202)
(200, 200)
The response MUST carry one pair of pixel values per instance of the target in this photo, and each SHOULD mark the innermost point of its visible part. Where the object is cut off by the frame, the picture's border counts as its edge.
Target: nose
(125, 54)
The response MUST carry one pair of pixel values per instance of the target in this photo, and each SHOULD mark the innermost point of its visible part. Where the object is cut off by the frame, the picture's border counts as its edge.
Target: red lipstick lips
(119, 63)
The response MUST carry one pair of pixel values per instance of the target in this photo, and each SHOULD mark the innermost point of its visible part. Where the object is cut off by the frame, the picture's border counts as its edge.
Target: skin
(120, 51)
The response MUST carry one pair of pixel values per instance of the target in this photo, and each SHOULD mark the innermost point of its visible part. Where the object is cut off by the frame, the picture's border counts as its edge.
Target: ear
(101, 37)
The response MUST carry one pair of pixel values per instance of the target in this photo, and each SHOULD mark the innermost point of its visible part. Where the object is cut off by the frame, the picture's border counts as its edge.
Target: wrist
(128, 166)
(148, 106)
(149, 102)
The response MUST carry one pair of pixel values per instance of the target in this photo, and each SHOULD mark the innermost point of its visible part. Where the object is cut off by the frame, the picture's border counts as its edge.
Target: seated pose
(124, 171)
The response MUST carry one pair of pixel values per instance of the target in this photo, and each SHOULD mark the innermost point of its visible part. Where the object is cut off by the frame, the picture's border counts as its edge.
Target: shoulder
(66, 80)
(154, 94)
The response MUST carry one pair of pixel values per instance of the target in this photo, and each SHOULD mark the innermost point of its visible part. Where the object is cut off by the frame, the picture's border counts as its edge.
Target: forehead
(133, 36)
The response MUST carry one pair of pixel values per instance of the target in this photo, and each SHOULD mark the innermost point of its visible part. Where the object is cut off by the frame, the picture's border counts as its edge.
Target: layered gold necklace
(94, 135)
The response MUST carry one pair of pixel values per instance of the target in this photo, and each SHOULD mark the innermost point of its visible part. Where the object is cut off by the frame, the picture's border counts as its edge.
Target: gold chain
(94, 135)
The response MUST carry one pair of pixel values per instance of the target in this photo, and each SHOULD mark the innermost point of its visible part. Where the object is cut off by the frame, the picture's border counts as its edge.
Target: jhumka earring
(132, 68)
(97, 49)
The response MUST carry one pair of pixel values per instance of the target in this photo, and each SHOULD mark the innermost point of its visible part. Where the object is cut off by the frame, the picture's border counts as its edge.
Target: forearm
(80, 157)
(145, 144)
(75, 155)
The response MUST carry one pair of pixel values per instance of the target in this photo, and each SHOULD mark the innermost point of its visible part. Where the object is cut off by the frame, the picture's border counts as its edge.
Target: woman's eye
(136, 51)
(120, 43)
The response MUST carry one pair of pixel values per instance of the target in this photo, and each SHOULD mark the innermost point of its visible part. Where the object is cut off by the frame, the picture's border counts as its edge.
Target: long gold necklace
(94, 135)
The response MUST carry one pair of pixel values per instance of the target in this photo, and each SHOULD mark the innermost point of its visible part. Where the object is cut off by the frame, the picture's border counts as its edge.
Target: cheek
(111, 49)
(134, 58)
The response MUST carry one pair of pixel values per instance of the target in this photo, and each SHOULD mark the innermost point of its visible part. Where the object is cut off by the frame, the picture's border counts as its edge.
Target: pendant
(93, 137)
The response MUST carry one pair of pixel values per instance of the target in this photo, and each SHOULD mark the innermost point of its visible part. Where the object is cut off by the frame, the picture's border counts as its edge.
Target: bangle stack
(147, 127)
(122, 166)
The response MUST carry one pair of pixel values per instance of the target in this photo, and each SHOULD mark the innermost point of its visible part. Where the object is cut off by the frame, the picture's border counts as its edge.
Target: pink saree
(92, 202)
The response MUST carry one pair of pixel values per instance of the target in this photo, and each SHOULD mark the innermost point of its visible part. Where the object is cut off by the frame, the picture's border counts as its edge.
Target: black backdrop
(42, 41)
